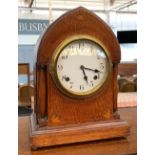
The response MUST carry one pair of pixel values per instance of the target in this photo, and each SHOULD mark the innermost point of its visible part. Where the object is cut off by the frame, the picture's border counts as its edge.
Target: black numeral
(79, 45)
(60, 67)
(64, 57)
(81, 87)
(92, 84)
(66, 78)
(71, 85)
(101, 66)
(91, 49)
(63, 77)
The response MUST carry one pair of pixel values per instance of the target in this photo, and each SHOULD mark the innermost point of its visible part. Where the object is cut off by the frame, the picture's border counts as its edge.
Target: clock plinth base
(84, 132)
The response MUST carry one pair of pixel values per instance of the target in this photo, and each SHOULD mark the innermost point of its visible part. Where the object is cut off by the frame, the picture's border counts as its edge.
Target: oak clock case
(76, 82)
(80, 67)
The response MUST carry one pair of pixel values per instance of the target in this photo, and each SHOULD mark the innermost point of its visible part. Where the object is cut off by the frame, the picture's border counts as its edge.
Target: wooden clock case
(58, 119)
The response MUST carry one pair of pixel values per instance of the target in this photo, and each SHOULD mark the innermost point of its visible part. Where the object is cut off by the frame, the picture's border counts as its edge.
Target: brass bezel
(53, 67)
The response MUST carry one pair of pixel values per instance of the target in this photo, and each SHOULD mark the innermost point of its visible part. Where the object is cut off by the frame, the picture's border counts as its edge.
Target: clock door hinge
(41, 67)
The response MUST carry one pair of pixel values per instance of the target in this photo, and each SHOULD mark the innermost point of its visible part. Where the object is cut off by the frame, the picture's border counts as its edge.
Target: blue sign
(31, 26)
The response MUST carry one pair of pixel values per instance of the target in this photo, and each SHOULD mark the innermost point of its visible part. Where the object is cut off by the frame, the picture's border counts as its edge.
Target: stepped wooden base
(50, 136)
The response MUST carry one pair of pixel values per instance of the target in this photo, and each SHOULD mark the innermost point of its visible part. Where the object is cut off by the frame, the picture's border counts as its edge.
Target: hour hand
(83, 71)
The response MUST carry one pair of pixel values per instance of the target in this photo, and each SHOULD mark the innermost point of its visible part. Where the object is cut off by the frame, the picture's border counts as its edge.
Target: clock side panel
(63, 110)
(41, 93)
(115, 86)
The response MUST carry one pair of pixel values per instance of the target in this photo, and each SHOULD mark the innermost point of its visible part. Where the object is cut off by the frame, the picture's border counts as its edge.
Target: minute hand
(94, 70)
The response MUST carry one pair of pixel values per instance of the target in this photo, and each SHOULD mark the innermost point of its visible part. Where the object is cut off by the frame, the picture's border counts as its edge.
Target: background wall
(115, 19)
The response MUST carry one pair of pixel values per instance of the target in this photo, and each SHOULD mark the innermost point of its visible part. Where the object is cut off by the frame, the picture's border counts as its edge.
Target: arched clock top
(76, 82)
(79, 21)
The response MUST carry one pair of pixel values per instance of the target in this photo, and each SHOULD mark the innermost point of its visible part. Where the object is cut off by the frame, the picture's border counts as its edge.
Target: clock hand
(94, 70)
(85, 76)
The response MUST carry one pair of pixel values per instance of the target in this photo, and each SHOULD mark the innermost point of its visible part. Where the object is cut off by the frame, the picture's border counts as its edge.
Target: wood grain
(41, 137)
(41, 94)
(115, 73)
(117, 146)
(56, 110)
(77, 21)
(73, 111)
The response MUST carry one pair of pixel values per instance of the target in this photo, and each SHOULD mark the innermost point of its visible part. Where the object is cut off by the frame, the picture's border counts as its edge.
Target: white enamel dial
(82, 67)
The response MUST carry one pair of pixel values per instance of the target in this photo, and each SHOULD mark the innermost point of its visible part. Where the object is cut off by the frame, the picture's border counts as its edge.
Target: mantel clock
(76, 82)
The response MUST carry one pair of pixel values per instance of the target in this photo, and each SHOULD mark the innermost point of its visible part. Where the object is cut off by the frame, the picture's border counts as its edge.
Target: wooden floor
(121, 146)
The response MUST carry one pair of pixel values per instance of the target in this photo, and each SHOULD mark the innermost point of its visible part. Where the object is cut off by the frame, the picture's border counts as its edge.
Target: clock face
(81, 67)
